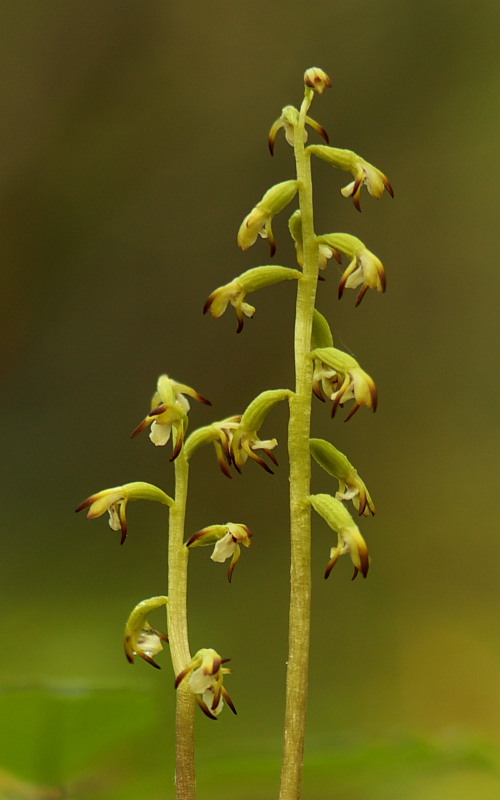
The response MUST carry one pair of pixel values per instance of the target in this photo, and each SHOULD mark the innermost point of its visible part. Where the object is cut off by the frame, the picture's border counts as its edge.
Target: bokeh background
(133, 143)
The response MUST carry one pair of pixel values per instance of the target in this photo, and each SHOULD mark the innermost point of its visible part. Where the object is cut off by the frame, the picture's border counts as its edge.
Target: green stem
(178, 555)
(300, 478)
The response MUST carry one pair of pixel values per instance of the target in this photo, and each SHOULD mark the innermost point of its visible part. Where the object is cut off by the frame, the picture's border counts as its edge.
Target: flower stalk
(300, 479)
(178, 556)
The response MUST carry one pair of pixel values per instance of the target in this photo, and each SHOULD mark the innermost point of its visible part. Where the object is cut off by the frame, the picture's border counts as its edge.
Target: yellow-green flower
(115, 500)
(227, 539)
(168, 415)
(140, 638)
(205, 675)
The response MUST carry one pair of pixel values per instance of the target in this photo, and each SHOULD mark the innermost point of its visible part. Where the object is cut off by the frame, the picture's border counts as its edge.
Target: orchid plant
(320, 369)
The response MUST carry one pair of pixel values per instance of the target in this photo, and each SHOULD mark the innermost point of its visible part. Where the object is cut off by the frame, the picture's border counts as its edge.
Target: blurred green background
(133, 143)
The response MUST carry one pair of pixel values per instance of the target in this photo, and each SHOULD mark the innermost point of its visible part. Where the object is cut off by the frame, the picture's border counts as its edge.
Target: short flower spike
(115, 500)
(205, 675)
(227, 539)
(140, 638)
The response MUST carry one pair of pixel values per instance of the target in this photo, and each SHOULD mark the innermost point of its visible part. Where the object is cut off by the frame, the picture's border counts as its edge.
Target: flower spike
(205, 675)
(140, 638)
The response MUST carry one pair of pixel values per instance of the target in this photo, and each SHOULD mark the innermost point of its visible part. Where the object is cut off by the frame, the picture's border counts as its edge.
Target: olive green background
(134, 141)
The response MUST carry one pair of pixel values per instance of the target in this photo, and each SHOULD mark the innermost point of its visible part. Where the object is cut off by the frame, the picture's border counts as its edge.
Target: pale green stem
(300, 478)
(178, 555)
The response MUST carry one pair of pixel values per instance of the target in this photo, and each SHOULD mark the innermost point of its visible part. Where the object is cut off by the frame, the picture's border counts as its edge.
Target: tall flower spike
(245, 438)
(351, 487)
(364, 173)
(349, 541)
(168, 414)
(258, 221)
(140, 638)
(364, 270)
(115, 500)
(227, 539)
(205, 675)
(236, 291)
(355, 383)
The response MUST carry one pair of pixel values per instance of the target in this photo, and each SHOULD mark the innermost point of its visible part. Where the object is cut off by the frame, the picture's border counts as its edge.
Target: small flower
(232, 293)
(206, 676)
(227, 538)
(325, 252)
(220, 434)
(366, 174)
(115, 500)
(140, 638)
(349, 541)
(245, 440)
(355, 383)
(289, 121)
(169, 408)
(365, 270)
(236, 291)
(351, 487)
(258, 221)
(317, 79)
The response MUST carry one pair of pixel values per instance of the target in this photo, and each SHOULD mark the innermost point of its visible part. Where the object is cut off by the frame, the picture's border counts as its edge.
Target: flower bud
(317, 79)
